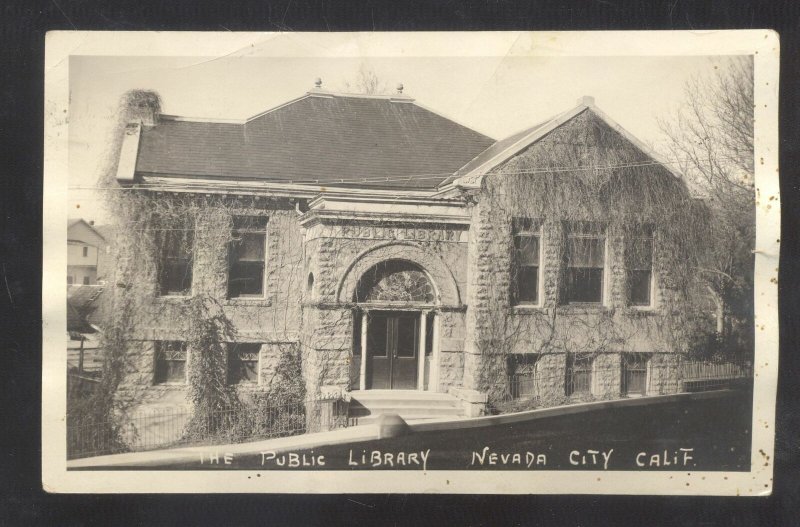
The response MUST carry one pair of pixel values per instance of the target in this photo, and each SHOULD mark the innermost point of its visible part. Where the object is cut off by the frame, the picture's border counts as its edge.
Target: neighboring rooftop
(320, 138)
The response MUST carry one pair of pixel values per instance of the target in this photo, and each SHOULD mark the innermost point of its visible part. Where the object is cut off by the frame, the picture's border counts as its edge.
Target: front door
(392, 350)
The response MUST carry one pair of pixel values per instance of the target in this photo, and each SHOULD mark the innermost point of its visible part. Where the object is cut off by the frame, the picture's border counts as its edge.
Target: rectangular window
(175, 272)
(85, 280)
(639, 256)
(70, 279)
(522, 375)
(579, 374)
(170, 365)
(527, 245)
(85, 252)
(243, 363)
(634, 373)
(246, 257)
(585, 264)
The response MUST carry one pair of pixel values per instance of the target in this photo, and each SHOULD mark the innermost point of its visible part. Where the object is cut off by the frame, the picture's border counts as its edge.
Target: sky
(495, 95)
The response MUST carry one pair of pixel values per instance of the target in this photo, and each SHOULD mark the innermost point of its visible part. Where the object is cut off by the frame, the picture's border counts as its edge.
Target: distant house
(86, 253)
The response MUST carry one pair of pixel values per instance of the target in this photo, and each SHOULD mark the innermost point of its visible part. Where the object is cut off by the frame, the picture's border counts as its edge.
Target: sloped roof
(72, 222)
(317, 139)
(471, 174)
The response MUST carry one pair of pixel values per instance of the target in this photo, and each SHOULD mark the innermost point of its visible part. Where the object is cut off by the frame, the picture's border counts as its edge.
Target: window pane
(246, 278)
(579, 375)
(528, 284)
(246, 272)
(376, 336)
(584, 285)
(635, 373)
(249, 246)
(243, 363)
(177, 243)
(585, 252)
(407, 338)
(527, 250)
(170, 362)
(176, 277)
(639, 287)
(640, 253)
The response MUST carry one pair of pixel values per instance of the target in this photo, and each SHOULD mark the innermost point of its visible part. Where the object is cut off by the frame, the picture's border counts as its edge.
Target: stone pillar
(362, 379)
(551, 376)
(433, 375)
(607, 374)
(423, 321)
(662, 374)
(488, 291)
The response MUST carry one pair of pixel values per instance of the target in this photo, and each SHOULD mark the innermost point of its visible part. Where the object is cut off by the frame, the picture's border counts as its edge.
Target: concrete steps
(411, 405)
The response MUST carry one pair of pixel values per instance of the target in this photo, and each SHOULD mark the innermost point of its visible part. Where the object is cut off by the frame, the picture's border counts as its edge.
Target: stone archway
(445, 289)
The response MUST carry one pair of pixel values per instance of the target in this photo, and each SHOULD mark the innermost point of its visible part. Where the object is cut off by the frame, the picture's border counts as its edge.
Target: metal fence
(634, 378)
(155, 428)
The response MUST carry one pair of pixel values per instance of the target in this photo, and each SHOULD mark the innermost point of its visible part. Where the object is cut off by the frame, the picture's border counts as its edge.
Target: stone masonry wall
(327, 330)
(495, 327)
(273, 320)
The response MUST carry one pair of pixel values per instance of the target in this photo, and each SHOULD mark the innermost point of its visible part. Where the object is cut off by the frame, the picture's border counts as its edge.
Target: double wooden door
(392, 350)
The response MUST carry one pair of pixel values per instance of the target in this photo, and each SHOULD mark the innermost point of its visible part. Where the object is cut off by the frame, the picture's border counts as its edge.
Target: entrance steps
(411, 405)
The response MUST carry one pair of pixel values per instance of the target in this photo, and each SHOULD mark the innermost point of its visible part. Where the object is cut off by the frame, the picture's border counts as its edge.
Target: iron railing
(155, 428)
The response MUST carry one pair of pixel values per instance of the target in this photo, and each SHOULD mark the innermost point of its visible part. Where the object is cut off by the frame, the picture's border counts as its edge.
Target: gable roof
(73, 222)
(320, 138)
(471, 174)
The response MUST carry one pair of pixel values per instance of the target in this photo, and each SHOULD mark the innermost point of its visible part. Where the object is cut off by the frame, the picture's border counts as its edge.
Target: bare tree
(366, 82)
(711, 137)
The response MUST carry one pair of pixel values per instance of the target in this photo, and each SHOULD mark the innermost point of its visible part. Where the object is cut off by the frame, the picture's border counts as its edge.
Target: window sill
(260, 301)
(584, 308)
(527, 308)
(246, 386)
(172, 299)
(640, 311)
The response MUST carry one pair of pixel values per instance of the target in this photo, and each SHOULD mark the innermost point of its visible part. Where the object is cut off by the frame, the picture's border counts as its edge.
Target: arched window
(396, 281)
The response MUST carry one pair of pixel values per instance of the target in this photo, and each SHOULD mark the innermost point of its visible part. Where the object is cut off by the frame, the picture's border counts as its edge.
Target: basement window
(579, 374)
(527, 249)
(246, 257)
(170, 362)
(585, 264)
(634, 373)
(522, 373)
(639, 256)
(243, 363)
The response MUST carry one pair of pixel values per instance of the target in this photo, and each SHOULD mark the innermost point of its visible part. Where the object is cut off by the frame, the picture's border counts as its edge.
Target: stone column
(362, 380)
(433, 376)
(423, 321)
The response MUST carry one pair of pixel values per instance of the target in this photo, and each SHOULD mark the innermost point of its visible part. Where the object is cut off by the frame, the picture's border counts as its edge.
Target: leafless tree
(366, 82)
(711, 137)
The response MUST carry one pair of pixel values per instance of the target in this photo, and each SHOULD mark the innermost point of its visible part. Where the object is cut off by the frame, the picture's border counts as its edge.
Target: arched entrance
(392, 335)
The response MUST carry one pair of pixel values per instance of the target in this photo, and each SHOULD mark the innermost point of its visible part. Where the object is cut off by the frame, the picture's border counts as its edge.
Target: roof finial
(318, 83)
(400, 88)
(586, 100)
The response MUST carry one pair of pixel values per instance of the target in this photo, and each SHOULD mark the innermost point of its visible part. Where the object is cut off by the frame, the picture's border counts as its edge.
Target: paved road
(711, 434)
